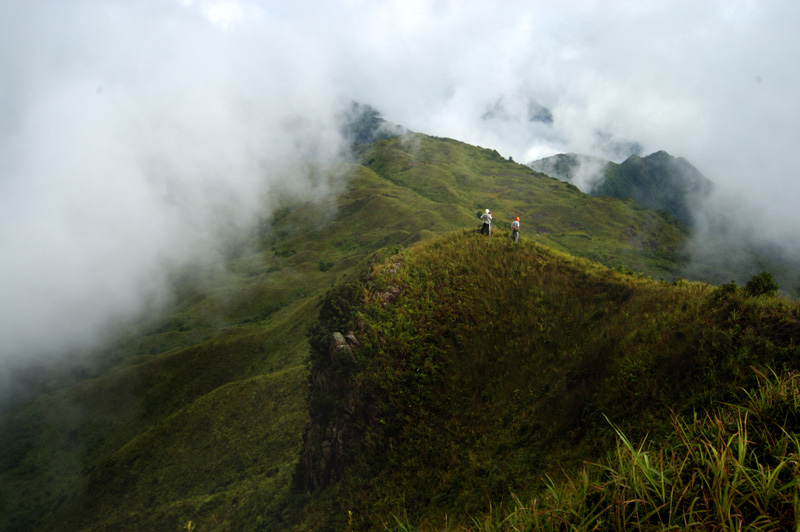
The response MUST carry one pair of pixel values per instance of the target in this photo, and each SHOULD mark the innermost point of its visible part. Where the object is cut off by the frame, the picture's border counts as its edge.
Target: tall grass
(733, 469)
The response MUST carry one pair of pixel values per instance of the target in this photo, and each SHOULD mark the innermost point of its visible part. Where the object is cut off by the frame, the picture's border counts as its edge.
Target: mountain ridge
(213, 389)
(476, 367)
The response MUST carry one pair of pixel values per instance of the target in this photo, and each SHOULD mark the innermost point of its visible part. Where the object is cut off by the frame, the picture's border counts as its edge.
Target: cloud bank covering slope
(135, 136)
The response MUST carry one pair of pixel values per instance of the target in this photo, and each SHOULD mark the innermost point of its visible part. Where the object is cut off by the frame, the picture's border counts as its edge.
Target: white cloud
(131, 130)
(140, 136)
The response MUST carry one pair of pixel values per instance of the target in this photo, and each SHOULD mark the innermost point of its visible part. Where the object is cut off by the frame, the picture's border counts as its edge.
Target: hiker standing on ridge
(486, 228)
(515, 229)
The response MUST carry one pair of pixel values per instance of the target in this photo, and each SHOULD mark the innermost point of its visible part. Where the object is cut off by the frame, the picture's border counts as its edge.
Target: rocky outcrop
(336, 419)
(340, 413)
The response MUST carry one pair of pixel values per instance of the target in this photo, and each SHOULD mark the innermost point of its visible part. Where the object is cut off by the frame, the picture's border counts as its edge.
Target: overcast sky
(135, 135)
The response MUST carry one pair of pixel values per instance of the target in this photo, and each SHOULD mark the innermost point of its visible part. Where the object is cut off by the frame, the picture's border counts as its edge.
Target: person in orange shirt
(515, 229)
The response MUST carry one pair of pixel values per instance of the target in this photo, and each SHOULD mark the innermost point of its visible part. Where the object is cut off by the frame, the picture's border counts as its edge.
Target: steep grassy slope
(197, 413)
(477, 366)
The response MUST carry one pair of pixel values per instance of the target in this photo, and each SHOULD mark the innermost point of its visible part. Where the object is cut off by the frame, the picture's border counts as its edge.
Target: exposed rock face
(340, 413)
(336, 419)
(389, 295)
(340, 345)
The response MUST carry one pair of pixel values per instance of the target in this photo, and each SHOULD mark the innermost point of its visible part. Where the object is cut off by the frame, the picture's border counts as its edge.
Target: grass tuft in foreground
(734, 469)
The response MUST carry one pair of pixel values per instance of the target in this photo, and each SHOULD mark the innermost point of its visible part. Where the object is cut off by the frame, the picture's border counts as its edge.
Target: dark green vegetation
(482, 365)
(197, 414)
(657, 181)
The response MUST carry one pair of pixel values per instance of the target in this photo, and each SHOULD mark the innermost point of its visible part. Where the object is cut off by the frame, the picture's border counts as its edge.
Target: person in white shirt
(486, 228)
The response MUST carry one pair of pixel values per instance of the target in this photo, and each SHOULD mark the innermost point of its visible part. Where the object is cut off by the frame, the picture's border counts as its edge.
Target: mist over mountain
(657, 181)
(138, 137)
(182, 181)
(197, 412)
(235, 331)
(724, 245)
(583, 171)
(363, 124)
(524, 117)
(535, 112)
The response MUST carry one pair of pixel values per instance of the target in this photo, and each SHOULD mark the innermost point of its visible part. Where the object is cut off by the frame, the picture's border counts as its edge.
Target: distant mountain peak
(659, 180)
(363, 124)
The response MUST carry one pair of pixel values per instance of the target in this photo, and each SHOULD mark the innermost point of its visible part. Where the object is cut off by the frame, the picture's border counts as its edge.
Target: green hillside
(476, 367)
(197, 413)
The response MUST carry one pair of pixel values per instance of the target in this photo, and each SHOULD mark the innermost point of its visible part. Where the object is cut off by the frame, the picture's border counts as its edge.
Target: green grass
(217, 457)
(484, 366)
(733, 469)
(132, 438)
(609, 230)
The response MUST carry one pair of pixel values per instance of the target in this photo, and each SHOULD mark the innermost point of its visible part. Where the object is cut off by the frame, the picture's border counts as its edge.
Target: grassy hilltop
(480, 366)
(197, 413)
